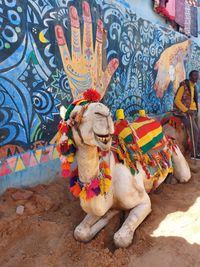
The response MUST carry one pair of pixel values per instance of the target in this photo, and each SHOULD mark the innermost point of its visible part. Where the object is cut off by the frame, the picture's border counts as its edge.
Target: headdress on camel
(89, 96)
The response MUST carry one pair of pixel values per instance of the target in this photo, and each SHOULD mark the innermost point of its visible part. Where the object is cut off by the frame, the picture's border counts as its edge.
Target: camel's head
(91, 125)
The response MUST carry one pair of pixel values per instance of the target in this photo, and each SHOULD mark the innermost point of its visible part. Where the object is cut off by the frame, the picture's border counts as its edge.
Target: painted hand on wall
(171, 67)
(84, 66)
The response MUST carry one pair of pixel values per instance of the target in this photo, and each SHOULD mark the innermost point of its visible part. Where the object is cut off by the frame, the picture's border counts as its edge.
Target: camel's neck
(88, 163)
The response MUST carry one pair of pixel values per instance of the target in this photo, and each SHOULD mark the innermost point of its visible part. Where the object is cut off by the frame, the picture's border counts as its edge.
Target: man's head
(194, 76)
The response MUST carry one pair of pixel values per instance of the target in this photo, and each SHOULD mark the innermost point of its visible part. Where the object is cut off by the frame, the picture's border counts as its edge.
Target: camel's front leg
(124, 236)
(83, 230)
(91, 225)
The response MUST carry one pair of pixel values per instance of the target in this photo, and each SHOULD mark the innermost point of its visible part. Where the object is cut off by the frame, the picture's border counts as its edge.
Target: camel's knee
(82, 233)
(183, 176)
(181, 167)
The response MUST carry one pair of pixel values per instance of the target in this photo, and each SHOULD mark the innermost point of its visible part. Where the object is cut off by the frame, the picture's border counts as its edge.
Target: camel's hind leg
(181, 167)
(91, 225)
(124, 236)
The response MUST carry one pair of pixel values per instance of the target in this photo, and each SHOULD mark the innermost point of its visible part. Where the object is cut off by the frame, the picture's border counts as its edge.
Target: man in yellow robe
(186, 105)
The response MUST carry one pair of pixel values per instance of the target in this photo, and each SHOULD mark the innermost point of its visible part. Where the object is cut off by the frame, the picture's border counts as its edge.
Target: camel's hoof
(123, 238)
(82, 234)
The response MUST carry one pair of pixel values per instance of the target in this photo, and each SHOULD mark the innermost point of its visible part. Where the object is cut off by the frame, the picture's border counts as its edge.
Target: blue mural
(34, 81)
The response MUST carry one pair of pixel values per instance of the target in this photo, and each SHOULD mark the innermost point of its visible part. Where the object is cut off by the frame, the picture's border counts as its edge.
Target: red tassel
(74, 173)
(64, 129)
(66, 165)
(64, 147)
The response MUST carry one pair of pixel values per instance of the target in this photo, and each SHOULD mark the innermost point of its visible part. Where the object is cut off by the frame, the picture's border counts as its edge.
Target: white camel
(127, 192)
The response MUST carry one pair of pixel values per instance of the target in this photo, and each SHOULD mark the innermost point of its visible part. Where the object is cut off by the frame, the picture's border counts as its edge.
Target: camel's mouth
(105, 139)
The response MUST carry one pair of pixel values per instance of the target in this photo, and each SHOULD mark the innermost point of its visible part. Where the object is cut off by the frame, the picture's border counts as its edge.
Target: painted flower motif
(147, 31)
(127, 46)
(136, 82)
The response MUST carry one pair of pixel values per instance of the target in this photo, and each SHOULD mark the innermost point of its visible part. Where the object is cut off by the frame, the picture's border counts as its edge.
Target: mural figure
(171, 67)
(84, 67)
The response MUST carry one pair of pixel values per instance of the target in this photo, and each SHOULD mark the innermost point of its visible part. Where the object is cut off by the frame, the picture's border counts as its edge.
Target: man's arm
(178, 99)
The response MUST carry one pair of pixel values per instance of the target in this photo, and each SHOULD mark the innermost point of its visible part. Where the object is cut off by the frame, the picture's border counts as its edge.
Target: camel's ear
(75, 116)
(62, 112)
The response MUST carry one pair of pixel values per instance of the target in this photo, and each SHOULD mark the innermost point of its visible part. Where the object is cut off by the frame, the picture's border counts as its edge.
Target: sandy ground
(43, 235)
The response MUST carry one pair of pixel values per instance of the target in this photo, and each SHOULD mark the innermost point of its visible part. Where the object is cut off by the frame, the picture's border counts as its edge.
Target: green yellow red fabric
(145, 132)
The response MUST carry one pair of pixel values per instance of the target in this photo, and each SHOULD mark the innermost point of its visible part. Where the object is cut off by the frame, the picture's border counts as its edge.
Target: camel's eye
(97, 113)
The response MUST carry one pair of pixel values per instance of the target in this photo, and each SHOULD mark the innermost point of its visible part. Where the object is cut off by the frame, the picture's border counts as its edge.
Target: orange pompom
(75, 190)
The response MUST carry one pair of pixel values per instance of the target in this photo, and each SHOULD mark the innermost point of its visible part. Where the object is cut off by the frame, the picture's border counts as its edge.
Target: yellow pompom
(83, 194)
(107, 171)
(70, 142)
(70, 158)
(105, 185)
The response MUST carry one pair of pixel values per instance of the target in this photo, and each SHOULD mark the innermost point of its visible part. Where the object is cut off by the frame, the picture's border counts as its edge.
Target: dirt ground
(43, 235)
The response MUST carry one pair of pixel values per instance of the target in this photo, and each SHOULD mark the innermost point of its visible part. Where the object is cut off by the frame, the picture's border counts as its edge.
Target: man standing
(186, 106)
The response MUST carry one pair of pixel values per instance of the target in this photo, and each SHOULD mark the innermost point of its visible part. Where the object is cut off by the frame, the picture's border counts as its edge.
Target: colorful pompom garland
(98, 186)
(67, 149)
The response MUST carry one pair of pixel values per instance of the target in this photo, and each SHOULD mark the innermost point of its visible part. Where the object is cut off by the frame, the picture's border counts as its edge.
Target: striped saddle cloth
(144, 132)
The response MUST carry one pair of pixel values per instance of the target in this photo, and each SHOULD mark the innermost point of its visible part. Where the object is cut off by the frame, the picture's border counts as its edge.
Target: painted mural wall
(53, 50)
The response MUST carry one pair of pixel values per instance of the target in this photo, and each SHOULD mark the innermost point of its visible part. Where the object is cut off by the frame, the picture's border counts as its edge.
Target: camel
(92, 129)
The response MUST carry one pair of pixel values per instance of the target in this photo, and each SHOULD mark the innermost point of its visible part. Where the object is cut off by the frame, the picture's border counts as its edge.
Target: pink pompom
(90, 194)
(66, 173)
(63, 158)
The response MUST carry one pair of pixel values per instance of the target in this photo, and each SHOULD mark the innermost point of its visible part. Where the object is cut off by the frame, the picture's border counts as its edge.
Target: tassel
(66, 173)
(64, 147)
(94, 184)
(63, 159)
(64, 129)
(97, 191)
(73, 181)
(70, 158)
(70, 141)
(105, 185)
(76, 190)
(83, 194)
(66, 165)
(107, 172)
(74, 174)
(90, 194)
